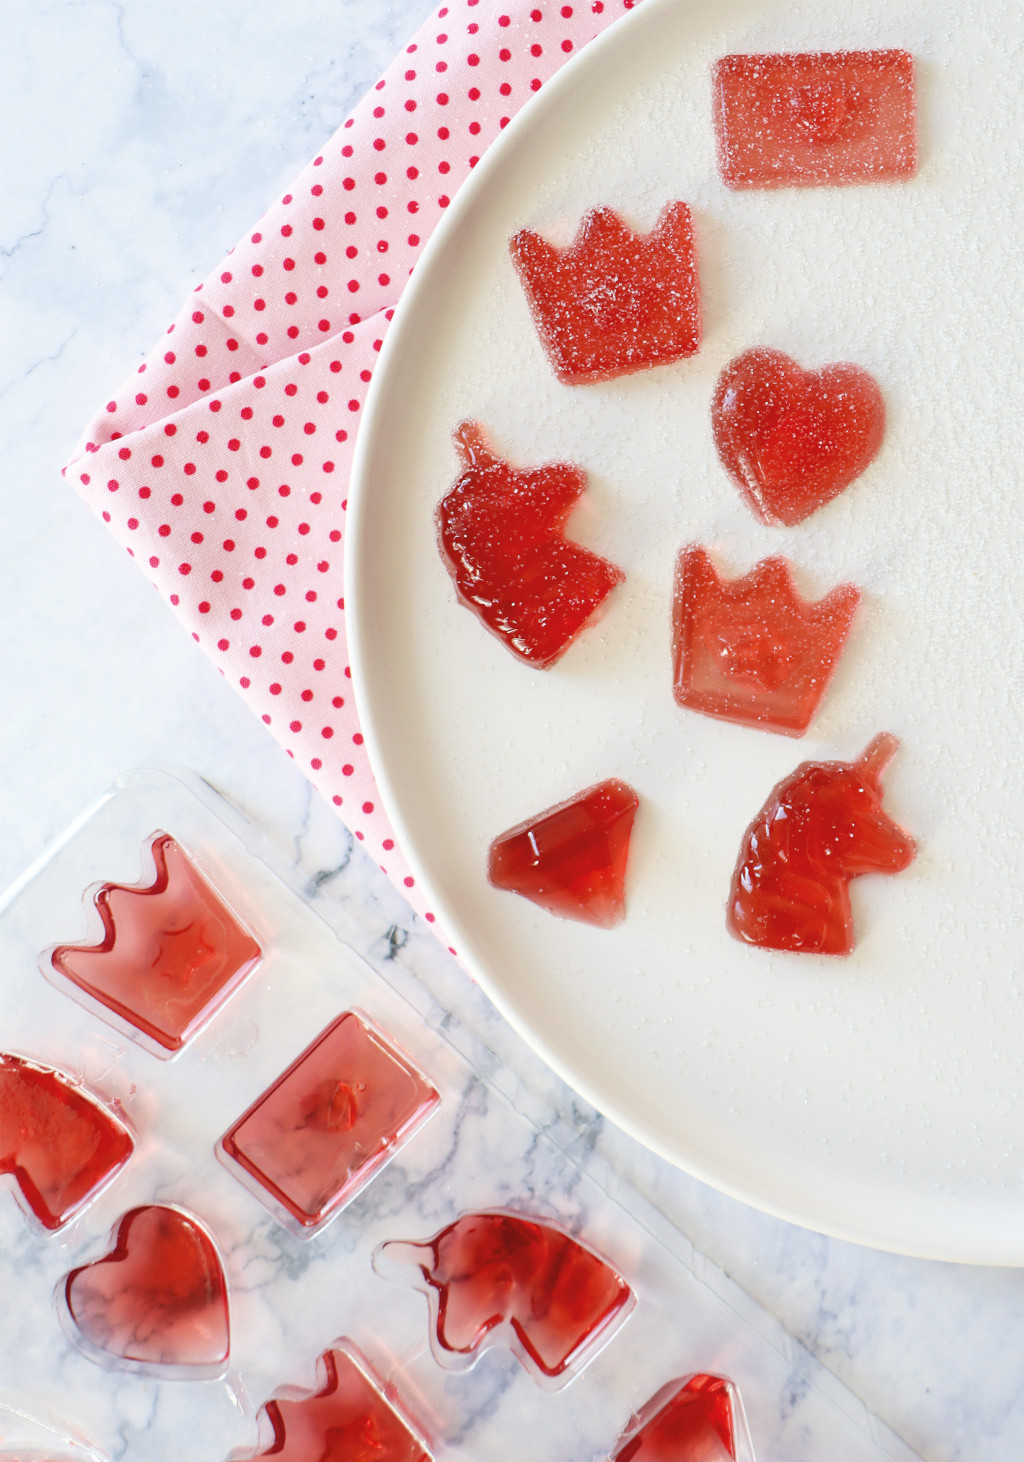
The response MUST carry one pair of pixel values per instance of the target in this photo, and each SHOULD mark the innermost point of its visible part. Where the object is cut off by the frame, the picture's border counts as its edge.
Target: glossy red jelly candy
(571, 859)
(329, 1122)
(614, 301)
(349, 1418)
(821, 826)
(171, 951)
(157, 1301)
(499, 1278)
(752, 650)
(690, 1420)
(60, 1145)
(822, 117)
(501, 533)
(794, 439)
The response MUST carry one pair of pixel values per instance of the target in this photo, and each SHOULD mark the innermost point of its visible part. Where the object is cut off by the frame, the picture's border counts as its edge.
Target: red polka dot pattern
(222, 464)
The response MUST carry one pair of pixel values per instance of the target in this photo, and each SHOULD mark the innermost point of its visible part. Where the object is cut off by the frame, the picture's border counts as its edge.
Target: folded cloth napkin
(223, 464)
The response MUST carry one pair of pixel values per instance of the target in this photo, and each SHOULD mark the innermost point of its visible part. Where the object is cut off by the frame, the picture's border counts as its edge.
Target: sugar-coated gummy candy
(614, 301)
(501, 532)
(821, 826)
(793, 439)
(815, 118)
(752, 650)
(171, 951)
(571, 859)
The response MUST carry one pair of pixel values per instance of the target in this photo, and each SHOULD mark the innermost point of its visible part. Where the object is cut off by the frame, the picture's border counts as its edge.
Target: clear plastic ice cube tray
(296, 1286)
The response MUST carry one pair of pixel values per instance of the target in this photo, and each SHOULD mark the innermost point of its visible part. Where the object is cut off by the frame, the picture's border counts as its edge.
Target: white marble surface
(138, 141)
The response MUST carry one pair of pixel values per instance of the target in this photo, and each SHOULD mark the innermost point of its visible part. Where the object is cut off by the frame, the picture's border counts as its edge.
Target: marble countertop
(139, 140)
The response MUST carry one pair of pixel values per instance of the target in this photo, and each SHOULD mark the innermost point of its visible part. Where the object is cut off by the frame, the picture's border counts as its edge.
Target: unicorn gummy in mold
(60, 1144)
(171, 952)
(501, 532)
(752, 650)
(812, 118)
(821, 826)
(500, 1278)
(349, 1417)
(329, 1122)
(571, 859)
(158, 1301)
(614, 301)
(696, 1419)
(793, 439)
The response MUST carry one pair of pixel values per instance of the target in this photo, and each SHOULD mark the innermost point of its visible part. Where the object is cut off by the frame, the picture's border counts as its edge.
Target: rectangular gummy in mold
(329, 1122)
(170, 953)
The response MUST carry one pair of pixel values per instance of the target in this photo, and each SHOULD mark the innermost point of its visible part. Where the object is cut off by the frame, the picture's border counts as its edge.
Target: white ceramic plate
(876, 1097)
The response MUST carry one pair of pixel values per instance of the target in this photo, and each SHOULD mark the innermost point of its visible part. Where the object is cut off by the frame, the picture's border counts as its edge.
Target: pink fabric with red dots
(222, 466)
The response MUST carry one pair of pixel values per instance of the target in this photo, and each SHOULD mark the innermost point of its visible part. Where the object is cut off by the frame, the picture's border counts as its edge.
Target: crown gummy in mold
(351, 1415)
(501, 533)
(60, 1144)
(500, 1278)
(329, 1123)
(571, 859)
(821, 826)
(793, 439)
(172, 951)
(751, 650)
(698, 1418)
(614, 301)
(814, 118)
(157, 1302)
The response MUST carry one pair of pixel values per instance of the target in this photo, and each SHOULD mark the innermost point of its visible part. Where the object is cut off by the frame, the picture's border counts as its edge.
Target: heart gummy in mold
(614, 301)
(571, 859)
(821, 826)
(329, 1122)
(171, 952)
(696, 1419)
(501, 535)
(498, 1278)
(793, 439)
(158, 1301)
(60, 1144)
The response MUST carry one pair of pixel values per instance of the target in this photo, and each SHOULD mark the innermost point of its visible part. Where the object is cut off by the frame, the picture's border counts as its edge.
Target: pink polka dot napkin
(222, 465)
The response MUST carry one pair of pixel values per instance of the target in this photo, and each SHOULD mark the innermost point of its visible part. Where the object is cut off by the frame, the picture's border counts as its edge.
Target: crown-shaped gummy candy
(614, 301)
(751, 649)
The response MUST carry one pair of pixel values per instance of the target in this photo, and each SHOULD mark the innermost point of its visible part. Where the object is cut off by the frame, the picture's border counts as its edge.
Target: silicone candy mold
(171, 952)
(696, 1419)
(821, 826)
(501, 535)
(751, 649)
(329, 1122)
(349, 1417)
(60, 1145)
(571, 859)
(793, 439)
(158, 1301)
(497, 1278)
(614, 301)
(815, 118)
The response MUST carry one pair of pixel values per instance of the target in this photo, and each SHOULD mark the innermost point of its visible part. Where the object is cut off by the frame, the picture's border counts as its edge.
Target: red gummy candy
(330, 1121)
(690, 1420)
(815, 118)
(171, 950)
(158, 1300)
(501, 534)
(348, 1418)
(613, 302)
(821, 826)
(752, 650)
(571, 859)
(794, 439)
(59, 1143)
(498, 1278)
